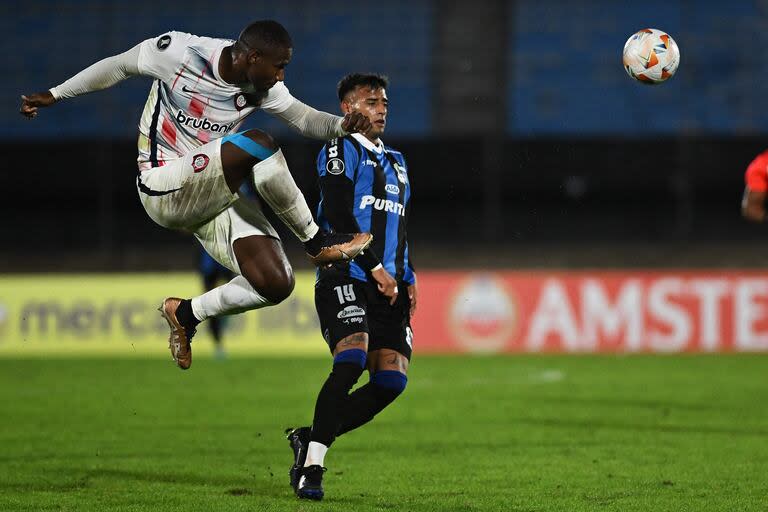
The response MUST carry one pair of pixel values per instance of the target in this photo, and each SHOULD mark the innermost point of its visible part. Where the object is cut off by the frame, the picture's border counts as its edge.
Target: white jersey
(189, 103)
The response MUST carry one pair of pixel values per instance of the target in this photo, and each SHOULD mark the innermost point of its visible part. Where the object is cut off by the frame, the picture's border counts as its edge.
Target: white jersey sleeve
(299, 116)
(101, 75)
(278, 99)
(161, 56)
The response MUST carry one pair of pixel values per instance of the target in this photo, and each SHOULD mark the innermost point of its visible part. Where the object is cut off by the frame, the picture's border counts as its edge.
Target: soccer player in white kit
(192, 161)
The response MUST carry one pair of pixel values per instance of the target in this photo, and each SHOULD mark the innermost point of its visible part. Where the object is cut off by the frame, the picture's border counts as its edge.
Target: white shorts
(243, 218)
(192, 194)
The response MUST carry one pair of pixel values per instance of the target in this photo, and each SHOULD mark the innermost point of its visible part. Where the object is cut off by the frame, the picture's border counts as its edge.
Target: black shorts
(346, 306)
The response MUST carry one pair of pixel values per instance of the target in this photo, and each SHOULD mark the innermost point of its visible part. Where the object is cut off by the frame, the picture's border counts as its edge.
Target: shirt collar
(216, 58)
(367, 144)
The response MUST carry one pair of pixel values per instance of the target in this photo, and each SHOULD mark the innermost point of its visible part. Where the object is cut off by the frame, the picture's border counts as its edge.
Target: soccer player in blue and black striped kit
(364, 306)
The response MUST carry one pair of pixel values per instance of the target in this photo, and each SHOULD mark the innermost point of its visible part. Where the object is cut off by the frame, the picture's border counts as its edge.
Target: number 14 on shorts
(345, 293)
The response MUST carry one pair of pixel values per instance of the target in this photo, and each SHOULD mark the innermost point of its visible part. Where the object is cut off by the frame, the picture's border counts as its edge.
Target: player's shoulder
(756, 175)
(170, 40)
(759, 163)
(339, 155)
(761, 157)
(341, 145)
(175, 41)
(352, 142)
(395, 153)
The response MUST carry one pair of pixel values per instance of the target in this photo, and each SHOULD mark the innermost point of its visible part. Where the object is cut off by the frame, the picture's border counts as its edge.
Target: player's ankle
(314, 245)
(185, 315)
(315, 454)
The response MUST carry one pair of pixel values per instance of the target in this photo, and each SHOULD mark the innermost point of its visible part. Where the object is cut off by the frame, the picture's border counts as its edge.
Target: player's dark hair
(263, 34)
(349, 82)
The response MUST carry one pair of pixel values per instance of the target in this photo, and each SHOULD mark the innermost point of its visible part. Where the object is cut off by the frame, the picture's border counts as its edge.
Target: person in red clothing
(756, 179)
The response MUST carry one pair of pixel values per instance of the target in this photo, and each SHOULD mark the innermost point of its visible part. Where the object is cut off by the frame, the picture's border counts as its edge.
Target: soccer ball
(651, 56)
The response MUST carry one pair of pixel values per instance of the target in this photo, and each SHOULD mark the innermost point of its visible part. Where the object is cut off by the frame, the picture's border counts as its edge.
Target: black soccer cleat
(311, 483)
(298, 439)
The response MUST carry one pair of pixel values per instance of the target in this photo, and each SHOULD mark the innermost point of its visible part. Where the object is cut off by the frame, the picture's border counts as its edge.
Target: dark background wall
(527, 143)
(581, 202)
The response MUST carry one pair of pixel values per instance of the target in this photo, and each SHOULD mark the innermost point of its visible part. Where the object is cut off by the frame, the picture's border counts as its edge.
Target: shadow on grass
(246, 487)
(80, 478)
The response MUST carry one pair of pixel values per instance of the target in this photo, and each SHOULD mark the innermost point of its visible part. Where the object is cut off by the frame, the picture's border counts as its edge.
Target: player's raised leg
(255, 154)
(266, 279)
(242, 240)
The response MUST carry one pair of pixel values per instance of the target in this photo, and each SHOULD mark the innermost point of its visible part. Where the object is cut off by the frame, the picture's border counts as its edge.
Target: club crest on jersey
(200, 162)
(240, 101)
(335, 166)
(164, 42)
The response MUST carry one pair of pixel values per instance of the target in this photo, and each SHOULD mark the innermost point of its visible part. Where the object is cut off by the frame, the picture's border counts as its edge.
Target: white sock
(315, 454)
(274, 183)
(234, 297)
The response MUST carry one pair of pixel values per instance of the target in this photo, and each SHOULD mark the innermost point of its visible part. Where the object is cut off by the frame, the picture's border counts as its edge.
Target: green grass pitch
(519, 433)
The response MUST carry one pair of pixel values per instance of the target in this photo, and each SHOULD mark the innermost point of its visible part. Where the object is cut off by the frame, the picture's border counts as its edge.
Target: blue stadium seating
(331, 39)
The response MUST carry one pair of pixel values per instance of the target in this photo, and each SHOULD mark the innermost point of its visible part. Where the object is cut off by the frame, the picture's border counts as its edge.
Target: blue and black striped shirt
(365, 187)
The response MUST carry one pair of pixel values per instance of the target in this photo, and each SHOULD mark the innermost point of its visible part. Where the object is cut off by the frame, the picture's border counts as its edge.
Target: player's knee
(263, 139)
(275, 284)
(390, 382)
(356, 356)
(348, 366)
(280, 287)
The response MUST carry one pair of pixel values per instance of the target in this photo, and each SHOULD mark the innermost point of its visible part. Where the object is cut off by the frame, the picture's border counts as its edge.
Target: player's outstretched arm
(311, 122)
(101, 75)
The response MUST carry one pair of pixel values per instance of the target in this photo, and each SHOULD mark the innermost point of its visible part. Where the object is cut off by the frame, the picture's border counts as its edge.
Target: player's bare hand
(412, 296)
(32, 102)
(355, 122)
(386, 283)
